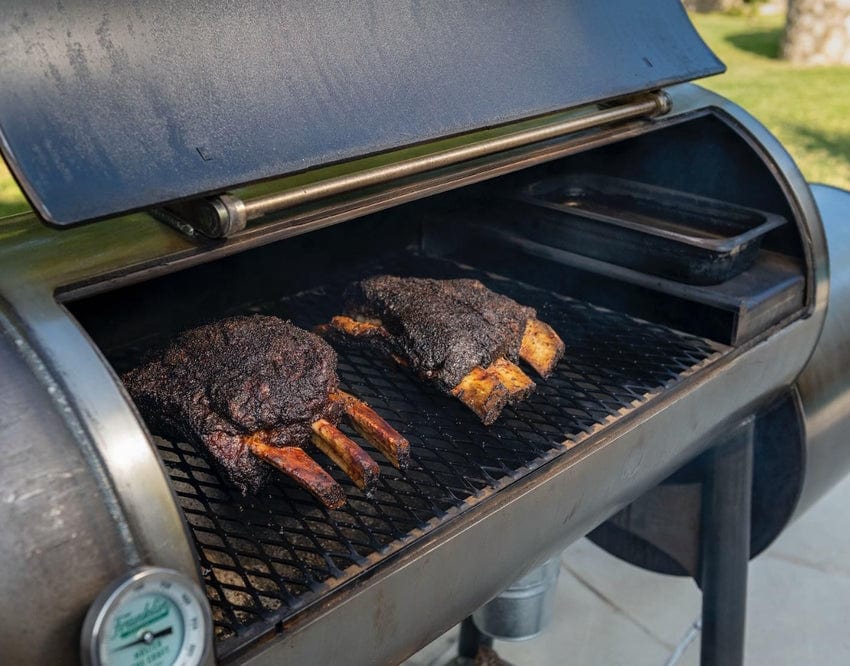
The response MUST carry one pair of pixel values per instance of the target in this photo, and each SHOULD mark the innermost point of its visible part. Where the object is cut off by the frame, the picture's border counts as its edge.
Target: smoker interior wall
(703, 154)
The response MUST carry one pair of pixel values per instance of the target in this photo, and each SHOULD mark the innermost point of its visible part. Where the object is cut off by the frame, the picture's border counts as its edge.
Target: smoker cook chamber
(654, 372)
(265, 558)
(207, 144)
(479, 505)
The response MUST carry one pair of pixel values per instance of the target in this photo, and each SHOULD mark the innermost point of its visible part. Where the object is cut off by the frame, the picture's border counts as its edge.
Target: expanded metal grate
(266, 557)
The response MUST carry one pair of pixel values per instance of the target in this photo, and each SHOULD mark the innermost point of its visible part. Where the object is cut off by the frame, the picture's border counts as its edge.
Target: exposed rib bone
(541, 347)
(375, 430)
(486, 391)
(518, 384)
(483, 393)
(353, 460)
(357, 328)
(301, 468)
(371, 330)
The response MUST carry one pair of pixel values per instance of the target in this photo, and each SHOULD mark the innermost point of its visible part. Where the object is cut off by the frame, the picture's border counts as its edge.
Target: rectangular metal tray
(652, 229)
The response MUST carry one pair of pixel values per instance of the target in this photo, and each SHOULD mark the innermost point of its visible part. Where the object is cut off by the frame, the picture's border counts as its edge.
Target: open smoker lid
(107, 106)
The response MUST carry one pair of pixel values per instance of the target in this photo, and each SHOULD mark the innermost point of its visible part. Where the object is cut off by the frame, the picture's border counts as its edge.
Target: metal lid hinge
(215, 217)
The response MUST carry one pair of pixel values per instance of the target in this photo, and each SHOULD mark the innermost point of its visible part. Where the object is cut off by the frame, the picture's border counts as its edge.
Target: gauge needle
(147, 637)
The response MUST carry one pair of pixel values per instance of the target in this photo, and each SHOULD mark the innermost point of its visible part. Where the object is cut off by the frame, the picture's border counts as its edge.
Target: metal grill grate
(265, 558)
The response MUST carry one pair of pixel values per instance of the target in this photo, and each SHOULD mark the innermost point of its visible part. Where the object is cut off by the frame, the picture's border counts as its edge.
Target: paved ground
(609, 613)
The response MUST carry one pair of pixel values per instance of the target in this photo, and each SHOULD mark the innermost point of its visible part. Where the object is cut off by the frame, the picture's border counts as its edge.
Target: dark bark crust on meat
(219, 382)
(442, 328)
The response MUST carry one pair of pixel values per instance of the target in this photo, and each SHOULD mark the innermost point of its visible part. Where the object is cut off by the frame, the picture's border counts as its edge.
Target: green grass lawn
(807, 108)
(11, 199)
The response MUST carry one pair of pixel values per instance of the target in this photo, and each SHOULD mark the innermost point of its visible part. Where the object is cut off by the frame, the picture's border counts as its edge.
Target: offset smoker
(662, 381)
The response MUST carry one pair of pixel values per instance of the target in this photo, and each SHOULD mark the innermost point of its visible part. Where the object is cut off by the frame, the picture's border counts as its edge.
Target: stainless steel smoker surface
(384, 576)
(264, 558)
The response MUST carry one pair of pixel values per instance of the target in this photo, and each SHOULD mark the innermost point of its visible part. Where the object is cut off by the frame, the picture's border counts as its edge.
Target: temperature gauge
(153, 617)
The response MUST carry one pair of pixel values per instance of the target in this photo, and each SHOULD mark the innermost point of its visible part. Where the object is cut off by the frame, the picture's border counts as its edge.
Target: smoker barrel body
(823, 388)
(60, 541)
(403, 602)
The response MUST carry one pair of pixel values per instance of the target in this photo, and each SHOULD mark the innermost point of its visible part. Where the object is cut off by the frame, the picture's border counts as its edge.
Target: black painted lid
(108, 106)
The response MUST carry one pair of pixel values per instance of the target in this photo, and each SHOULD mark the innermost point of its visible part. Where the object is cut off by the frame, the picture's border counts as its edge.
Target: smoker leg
(725, 547)
(471, 639)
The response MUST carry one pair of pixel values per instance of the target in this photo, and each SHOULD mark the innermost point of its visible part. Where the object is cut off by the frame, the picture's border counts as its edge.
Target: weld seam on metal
(80, 434)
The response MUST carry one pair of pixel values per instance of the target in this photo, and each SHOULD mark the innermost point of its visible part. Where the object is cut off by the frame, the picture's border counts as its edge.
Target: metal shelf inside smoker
(265, 558)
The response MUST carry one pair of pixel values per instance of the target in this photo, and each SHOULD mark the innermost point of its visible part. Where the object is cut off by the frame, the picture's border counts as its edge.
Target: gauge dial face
(156, 617)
